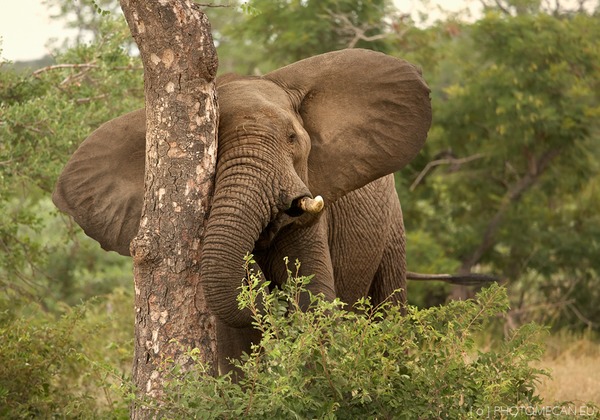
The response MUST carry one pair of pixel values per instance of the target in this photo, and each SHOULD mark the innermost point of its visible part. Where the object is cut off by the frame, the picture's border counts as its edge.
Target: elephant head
(323, 126)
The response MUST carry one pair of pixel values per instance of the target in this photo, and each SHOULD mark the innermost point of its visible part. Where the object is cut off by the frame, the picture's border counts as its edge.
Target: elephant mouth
(295, 209)
(297, 213)
(269, 233)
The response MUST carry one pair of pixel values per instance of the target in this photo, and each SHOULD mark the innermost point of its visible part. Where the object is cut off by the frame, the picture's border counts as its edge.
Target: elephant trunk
(238, 216)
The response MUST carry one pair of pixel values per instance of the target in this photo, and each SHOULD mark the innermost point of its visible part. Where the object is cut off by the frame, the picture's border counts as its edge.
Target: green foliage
(60, 360)
(99, 10)
(45, 116)
(371, 362)
(52, 110)
(516, 97)
(62, 365)
(236, 54)
(292, 30)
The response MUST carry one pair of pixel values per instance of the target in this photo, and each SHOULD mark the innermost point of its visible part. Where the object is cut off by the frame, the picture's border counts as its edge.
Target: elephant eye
(292, 137)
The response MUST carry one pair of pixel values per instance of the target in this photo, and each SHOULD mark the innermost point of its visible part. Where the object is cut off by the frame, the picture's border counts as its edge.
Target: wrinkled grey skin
(335, 125)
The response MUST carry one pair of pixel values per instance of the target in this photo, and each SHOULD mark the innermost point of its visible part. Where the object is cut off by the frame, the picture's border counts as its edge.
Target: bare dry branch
(64, 66)
(85, 66)
(359, 33)
(581, 317)
(90, 99)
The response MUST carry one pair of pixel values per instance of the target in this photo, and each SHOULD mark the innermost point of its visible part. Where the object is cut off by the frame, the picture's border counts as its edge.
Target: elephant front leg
(308, 245)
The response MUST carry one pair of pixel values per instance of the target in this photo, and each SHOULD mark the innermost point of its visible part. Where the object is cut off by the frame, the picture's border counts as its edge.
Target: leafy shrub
(45, 115)
(67, 367)
(370, 362)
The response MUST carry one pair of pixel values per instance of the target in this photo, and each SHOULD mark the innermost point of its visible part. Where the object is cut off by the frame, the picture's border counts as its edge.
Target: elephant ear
(102, 185)
(367, 114)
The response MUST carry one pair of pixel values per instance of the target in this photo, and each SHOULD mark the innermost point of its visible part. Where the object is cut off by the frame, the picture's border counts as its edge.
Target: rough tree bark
(180, 64)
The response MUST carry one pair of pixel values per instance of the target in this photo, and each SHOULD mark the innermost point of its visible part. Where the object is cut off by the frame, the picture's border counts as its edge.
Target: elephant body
(371, 246)
(366, 244)
(358, 240)
(335, 125)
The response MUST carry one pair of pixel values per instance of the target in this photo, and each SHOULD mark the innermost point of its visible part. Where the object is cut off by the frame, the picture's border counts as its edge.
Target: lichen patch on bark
(155, 59)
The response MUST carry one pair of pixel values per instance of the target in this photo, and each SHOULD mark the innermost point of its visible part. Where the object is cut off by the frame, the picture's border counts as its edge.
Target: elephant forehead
(253, 97)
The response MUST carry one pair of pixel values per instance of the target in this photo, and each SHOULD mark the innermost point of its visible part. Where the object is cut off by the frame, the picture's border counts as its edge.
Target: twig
(64, 66)
(90, 65)
(213, 5)
(90, 99)
(581, 317)
(359, 33)
(446, 161)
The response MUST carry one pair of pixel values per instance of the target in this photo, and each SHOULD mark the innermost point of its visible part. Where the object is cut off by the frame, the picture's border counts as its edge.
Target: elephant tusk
(312, 205)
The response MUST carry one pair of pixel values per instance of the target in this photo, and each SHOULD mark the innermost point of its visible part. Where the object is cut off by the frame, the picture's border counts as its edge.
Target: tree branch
(502, 8)
(356, 33)
(536, 168)
(90, 65)
(466, 279)
(85, 67)
(446, 161)
(590, 324)
(499, 5)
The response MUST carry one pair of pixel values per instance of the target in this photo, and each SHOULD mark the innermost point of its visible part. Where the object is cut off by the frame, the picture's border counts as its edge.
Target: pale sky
(26, 26)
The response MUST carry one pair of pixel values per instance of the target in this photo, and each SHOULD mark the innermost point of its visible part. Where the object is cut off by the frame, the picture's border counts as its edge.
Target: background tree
(226, 17)
(45, 115)
(520, 96)
(292, 30)
(61, 359)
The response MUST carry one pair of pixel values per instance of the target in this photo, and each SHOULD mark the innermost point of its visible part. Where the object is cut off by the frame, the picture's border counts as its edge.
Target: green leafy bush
(67, 366)
(44, 116)
(368, 362)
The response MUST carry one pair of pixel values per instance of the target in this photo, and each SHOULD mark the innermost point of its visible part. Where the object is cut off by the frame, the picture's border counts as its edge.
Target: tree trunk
(180, 65)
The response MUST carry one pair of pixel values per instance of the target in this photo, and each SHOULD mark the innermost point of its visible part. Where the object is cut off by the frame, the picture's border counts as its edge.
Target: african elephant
(336, 125)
